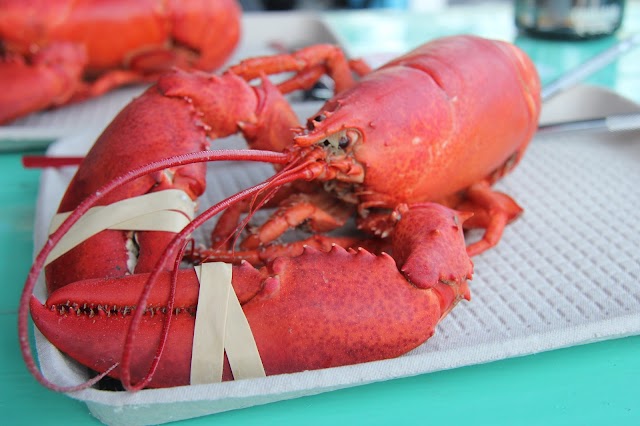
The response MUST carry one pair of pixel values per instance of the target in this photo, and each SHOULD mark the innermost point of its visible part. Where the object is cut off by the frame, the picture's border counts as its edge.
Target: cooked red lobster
(55, 52)
(410, 150)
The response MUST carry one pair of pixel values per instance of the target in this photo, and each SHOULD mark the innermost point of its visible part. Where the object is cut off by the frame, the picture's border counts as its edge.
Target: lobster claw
(429, 248)
(303, 314)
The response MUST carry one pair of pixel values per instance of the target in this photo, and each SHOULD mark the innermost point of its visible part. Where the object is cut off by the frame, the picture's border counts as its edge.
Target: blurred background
(418, 5)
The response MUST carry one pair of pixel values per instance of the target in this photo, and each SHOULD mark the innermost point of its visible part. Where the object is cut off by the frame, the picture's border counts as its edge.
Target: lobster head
(422, 127)
(380, 130)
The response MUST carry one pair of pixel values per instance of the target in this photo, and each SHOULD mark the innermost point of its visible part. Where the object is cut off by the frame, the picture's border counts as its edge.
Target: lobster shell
(402, 149)
(60, 51)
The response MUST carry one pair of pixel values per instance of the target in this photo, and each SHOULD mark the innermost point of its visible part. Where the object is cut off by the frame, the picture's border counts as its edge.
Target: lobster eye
(319, 118)
(343, 142)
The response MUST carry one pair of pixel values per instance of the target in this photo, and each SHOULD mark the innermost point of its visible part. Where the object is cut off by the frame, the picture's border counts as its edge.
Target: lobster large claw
(312, 311)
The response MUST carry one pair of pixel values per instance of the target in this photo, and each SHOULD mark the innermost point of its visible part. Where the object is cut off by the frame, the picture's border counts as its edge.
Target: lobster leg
(49, 78)
(309, 64)
(109, 81)
(318, 212)
(303, 315)
(492, 210)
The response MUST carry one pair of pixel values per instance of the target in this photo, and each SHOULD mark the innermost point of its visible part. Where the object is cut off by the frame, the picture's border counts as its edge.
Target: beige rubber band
(207, 355)
(221, 326)
(169, 210)
(240, 345)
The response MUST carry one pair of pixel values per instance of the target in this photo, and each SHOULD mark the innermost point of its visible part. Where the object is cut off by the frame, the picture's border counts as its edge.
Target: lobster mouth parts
(339, 150)
(339, 142)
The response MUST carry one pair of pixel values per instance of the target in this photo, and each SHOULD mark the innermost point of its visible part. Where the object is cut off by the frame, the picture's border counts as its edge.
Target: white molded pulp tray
(565, 273)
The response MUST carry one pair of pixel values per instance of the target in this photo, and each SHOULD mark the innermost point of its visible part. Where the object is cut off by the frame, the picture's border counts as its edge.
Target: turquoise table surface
(375, 35)
(598, 383)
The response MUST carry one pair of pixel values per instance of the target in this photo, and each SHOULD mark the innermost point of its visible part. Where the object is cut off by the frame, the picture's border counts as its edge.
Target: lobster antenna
(181, 238)
(235, 233)
(166, 323)
(272, 187)
(54, 239)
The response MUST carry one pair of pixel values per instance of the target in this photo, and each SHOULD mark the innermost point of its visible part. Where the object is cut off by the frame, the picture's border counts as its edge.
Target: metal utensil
(582, 71)
(614, 123)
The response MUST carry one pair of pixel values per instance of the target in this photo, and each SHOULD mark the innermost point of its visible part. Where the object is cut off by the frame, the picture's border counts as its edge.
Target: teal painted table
(592, 384)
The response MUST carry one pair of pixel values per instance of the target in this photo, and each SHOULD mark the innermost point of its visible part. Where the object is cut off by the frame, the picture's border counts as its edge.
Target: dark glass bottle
(569, 19)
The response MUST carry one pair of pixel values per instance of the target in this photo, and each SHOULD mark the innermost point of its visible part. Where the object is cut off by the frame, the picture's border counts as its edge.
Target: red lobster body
(459, 131)
(102, 44)
(438, 125)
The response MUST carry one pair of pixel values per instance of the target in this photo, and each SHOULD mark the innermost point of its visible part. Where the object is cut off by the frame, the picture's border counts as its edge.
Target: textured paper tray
(566, 273)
